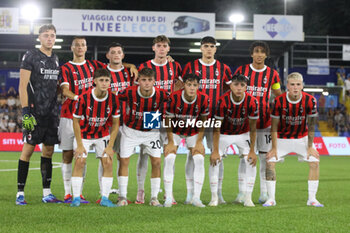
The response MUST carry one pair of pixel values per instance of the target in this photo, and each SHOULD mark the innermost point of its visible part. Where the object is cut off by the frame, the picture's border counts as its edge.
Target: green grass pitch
(290, 215)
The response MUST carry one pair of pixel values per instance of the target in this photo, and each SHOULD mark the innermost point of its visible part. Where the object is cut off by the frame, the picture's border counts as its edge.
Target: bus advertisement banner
(133, 23)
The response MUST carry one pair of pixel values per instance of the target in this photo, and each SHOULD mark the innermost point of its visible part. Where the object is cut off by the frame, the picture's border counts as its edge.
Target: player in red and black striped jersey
(293, 124)
(143, 112)
(77, 78)
(238, 111)
(184, 109)
(262, 79)
(167, 75)
(93, 112)
(213, 76)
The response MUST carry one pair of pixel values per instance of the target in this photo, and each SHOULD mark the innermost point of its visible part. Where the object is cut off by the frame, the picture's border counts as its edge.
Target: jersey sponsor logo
(151, 120)
(256, 91)
(293, 120)
(96, 121)
(209, 84)
(49, 73)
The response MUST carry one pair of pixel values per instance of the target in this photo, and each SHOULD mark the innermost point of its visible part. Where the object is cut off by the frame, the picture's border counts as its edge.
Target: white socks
(155, 186)
(198, 175)
(141, 170)
(67, 177)
(221, 177)
(241, 176)
(123, 185)
(214, 180)
(46, 192)
(250, 175)
(107, 183)
(262, 170)
(271, 189)
(189, 168)
(168, 174)
(77, 182)
(312, 189)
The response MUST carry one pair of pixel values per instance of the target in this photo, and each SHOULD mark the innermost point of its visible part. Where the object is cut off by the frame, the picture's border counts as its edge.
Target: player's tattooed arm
(311, 122)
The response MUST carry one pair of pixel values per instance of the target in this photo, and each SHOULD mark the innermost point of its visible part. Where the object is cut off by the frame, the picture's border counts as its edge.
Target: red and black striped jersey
(212, 77)
(259, 86)
(96, 114)
(179, 109)
(136, 105)
(79, 77)
(293, 115)
(166, 74)
(121, 79)
(236, 115)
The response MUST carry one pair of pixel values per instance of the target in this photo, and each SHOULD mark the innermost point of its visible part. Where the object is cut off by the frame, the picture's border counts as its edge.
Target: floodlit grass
(290, 215)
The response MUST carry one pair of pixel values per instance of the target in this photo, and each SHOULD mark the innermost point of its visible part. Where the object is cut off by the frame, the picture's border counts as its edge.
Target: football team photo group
(117, 109)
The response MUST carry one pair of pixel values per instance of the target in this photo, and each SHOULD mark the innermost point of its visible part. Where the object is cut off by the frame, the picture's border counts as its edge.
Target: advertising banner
(133, 23)
(318, 66)
(346, 52)
(9, 20)
(278, 27)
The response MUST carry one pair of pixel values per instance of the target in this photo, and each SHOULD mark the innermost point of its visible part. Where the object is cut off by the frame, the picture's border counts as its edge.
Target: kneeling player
(185, 106)
(293, 125)
(141, 100)
(94, 110)
(238, 112)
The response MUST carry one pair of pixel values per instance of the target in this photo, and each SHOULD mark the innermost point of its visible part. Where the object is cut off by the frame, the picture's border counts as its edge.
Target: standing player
(38, 94)
(261, 80)
(212, 74)
(238, 112)
(166, 77)
(293, 124)
(184, 106)
(77, 77)
(94, 111)
(141, 100)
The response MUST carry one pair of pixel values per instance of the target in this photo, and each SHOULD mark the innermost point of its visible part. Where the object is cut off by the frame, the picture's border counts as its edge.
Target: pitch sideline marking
(58, 165)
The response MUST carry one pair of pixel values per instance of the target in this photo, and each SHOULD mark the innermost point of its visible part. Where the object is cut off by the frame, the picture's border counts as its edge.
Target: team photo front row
(108, 110)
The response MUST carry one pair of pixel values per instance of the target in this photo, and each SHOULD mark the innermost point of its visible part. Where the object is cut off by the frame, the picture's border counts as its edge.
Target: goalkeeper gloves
(28, 120)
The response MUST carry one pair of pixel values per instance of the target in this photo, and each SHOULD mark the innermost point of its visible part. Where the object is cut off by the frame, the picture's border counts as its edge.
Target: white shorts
(163, 136)
(66, 134)
(298, 146)
(263, 140)
(148, 140)
(116, 146)
(99, 144)
(190, 140)
(242, 141)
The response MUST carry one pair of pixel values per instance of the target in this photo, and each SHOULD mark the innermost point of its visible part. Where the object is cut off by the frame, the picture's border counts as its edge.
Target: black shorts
(44, 132)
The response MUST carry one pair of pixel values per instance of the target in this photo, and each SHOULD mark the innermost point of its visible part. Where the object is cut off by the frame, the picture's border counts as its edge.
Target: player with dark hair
(95, 111)
(141, 100)
(167, 75)
(238, 112)
(77, 78)
(261, 80)
(185, 106)
(293, 129)
(212, 74)
(39, 74)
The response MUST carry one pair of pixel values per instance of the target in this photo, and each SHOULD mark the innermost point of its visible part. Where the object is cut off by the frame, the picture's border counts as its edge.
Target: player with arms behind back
(261, 81)
(293, 130)
(94, 111)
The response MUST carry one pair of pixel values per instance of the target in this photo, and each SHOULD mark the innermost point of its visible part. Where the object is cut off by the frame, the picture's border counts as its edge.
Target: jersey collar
(77, 64)
(97, 99)
(256, 70)
(234, 102)
(184, 99)
(294, 102)
(139, 92)
(156, 64)
(113, 70)
(205, 64)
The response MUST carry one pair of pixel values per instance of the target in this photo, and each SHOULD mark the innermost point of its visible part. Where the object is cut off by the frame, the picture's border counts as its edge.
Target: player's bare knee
(67, 156)
(156, 162)
(314, 165)
(80, 163)
(47, 151)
